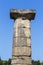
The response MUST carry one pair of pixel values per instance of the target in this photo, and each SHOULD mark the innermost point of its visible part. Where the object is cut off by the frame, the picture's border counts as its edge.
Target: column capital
(24, 14)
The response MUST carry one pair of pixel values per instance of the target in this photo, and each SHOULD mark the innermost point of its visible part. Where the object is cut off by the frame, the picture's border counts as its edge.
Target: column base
(21, 61)
(21, 64)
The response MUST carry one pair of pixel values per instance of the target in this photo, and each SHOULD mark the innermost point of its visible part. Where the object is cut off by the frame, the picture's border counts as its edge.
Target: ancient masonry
(21, 49)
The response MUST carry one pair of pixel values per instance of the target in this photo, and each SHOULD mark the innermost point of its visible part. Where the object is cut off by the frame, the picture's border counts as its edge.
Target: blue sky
(6, 27)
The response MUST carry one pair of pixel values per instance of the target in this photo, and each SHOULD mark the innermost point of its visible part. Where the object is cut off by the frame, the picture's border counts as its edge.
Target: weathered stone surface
(21, 60)
(21, 42)
(24, 32)
(21, 64)
(21, 50)
(24, 14)
(22, 28)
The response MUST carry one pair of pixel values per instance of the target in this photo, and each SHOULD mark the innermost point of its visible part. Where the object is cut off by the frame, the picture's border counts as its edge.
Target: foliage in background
(5, 62)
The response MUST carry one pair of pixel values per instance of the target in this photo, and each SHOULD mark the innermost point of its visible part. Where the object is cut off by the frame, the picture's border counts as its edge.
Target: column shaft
(21, 42)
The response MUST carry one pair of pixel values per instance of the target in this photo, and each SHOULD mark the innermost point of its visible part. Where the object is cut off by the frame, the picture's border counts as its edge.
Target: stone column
(21, 48)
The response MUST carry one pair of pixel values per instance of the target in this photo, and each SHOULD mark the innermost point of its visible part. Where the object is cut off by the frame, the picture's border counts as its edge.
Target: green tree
(5, 62)
(1, 63)
(9, 62)
(35, 62)
(41, 63)
(38, 62)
